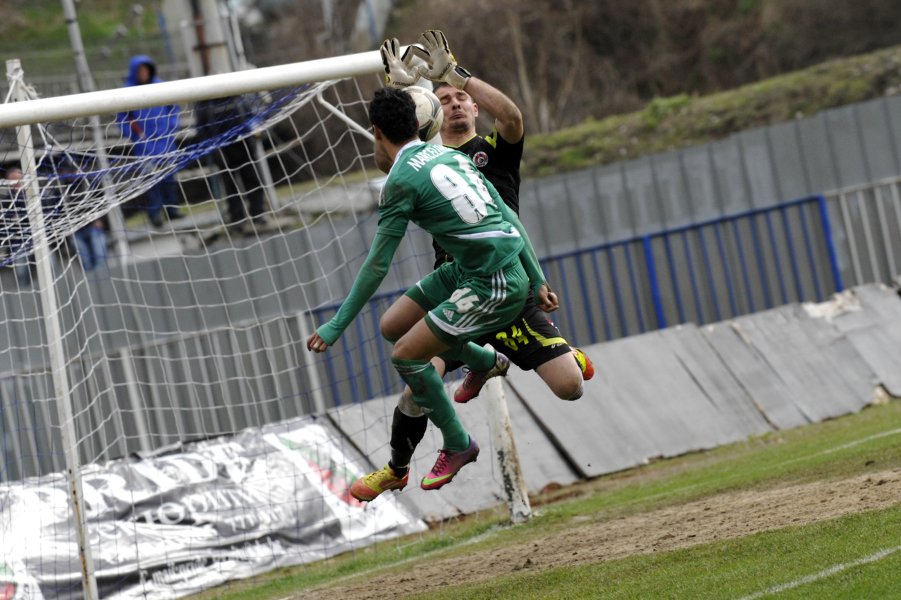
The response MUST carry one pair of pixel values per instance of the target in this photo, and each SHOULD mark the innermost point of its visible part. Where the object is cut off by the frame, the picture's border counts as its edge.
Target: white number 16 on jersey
(464, 303)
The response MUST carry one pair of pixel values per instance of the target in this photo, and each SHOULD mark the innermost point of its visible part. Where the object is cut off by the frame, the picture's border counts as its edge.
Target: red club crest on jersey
(480, 159)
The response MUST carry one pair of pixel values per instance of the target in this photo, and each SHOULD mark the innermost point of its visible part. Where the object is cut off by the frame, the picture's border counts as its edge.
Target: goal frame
(24, 113)
(180, 91)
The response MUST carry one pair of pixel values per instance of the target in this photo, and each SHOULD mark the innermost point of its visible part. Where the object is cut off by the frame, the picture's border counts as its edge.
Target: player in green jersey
(440, 190)
(531, 341)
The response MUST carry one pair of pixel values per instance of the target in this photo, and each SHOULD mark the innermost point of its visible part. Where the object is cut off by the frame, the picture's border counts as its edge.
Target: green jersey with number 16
(441, 190)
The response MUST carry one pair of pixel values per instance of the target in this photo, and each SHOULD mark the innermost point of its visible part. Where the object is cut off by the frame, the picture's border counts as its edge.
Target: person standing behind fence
(228, 118)
(91, 240)
(152, 131)
(16, 233)
(16, 230)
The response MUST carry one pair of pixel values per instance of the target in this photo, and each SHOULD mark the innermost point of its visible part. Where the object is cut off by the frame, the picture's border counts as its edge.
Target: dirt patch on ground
(715, 518)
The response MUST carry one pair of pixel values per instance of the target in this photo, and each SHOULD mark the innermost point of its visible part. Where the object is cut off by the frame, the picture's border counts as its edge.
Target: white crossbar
(188, 90)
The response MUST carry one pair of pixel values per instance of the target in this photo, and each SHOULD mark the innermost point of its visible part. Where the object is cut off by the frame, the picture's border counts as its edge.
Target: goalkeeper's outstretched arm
(507, 116)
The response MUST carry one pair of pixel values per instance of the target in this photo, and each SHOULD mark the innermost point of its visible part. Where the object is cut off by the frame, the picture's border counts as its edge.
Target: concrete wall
(837, 149)
(666, 393)
(217, 336)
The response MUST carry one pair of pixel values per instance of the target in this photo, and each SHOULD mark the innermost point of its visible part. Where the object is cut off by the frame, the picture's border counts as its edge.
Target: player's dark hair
(394, 112)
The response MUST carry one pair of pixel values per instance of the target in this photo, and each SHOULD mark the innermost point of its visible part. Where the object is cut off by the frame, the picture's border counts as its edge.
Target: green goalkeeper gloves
(442, 66)
(400, 70)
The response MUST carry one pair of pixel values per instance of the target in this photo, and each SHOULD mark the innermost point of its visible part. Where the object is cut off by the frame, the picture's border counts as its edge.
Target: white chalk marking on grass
(876, 556)
(869, 438)
(692, 486)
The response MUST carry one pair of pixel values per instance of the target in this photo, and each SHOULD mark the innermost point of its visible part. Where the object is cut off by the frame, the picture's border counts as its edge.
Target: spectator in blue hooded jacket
(152, 130)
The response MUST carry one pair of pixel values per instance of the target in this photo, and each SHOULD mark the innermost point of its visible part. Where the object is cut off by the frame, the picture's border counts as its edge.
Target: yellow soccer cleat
(584, 364)
(368, 487)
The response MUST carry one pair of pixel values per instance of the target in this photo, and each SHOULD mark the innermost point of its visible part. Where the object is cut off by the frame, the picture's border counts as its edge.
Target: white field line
(687, 488)
(875, 436)
(876, 556)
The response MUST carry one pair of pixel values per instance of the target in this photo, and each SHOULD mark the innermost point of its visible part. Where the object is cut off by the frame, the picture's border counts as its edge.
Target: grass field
(813, 512)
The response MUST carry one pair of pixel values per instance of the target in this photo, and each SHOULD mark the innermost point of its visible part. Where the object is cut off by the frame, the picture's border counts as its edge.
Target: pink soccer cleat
(473, 382)
(448, 465)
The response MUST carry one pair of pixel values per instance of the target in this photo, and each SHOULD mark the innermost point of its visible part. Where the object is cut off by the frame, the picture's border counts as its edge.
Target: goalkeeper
(531, 341)
(440, 190)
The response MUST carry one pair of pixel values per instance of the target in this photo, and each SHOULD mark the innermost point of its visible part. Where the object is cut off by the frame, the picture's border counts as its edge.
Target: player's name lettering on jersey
(427, 154)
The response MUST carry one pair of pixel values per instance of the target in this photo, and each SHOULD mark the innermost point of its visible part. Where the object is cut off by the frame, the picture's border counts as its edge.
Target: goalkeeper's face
(460, 111)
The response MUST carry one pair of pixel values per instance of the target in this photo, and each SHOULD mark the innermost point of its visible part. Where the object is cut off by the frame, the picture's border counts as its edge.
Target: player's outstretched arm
(371, 274)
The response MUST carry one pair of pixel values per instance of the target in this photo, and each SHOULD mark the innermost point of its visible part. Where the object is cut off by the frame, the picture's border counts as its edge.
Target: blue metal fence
(215, 381)
(700, 272)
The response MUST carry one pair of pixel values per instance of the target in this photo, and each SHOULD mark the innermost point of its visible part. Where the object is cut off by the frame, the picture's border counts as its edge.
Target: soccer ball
(429, 114)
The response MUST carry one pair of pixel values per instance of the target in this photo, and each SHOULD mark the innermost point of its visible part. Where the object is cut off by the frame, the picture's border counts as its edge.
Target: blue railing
(699, 272)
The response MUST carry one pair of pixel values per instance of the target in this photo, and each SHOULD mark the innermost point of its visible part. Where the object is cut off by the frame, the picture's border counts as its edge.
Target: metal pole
(86, 84)
(505, 449)
(200, 32)
(55, 349)
(310, 365)
(238, 60)
(134, 399)
(167, 38)
(238, 43)
(230, 26)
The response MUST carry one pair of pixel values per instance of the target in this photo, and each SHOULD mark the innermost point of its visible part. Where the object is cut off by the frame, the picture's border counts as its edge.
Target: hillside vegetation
(597, 81)
(35, 31)
(612, 80)
(565, 61)
(682, 120)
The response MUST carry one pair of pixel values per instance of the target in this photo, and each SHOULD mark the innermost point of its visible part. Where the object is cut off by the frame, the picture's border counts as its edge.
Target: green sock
(428, 392)
(474, 356)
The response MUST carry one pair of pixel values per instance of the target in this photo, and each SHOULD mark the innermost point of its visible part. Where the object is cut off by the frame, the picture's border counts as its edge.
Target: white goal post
(189, 90)
(197, 338)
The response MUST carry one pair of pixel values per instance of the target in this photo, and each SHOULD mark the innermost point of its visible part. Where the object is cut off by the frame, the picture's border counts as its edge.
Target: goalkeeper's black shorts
(529, 341)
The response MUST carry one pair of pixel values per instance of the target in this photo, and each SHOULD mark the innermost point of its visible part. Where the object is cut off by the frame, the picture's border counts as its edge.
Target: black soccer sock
(406, 433)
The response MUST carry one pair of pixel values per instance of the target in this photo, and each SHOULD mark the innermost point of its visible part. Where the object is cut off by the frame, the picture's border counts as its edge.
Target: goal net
(162, 266)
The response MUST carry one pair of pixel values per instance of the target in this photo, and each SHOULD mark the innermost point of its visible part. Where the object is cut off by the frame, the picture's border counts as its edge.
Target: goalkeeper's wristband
(458, 77)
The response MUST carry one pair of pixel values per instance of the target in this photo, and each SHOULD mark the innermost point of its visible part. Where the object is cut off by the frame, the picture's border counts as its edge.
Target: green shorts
(462, 307)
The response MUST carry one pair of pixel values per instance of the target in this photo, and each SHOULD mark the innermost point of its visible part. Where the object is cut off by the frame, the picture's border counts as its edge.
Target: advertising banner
(176, 523)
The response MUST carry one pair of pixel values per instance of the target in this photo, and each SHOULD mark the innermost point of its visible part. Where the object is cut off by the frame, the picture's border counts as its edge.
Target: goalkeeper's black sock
(406, 433)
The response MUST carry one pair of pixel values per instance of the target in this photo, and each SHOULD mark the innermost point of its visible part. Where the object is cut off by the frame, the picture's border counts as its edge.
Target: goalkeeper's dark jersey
(499, 161)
